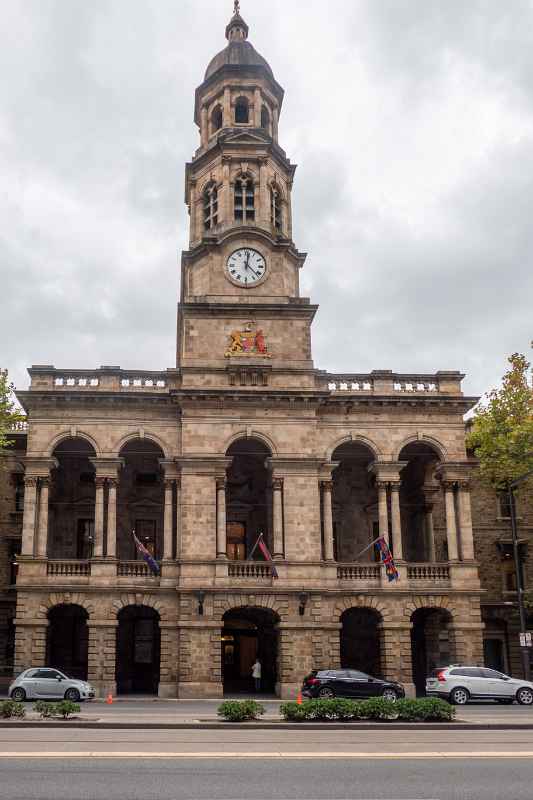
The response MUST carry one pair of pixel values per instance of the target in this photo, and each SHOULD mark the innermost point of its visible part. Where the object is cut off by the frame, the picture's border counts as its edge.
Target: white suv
(461, 684)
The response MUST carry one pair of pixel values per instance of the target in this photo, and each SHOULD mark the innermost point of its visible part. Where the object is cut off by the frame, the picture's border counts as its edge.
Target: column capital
(277, 484)
(221, 484)
(31, 480)
(464, 484)
(327, 485)
(45, 482)
(107, 467)
(99, 481)
(169, 467)
(169, 482)
(387, 471)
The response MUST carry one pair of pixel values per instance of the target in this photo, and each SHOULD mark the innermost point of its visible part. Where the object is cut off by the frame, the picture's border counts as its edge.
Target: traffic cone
(299, 700)
(109, 700)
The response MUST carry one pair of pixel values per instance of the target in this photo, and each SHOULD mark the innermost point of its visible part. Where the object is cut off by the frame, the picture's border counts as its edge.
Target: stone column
(465, 522)
(178, 519)
(275, 123)
(397, 545)
(430, 533)
(204, 127)
(225, 207)
(168, 520)
(277, 517)
(263, 212)
(226, 108)
(42, 539)
(102, 656)
(30, 512)
(222, 548)
(327, 487)
(383, 510)
(257, 107)
(99, 518)
(112, 518)
(451, 526)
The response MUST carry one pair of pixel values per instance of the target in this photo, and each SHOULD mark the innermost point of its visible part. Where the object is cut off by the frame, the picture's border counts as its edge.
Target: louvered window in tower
(242, 111)
(210, 207)
(244, 200)
(275, 208)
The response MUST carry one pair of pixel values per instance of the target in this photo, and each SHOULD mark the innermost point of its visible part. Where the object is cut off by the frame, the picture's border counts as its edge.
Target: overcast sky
(412, 125)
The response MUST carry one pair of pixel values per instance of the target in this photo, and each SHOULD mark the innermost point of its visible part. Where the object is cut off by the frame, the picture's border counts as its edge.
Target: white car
(43, 683)
(460, 684)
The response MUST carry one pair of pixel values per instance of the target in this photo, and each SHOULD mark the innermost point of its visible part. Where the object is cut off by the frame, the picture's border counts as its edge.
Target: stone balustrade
(386, 382)
(428, 572)
(133, 569)
(249, 569)
(359, 572)
(108, 379)
(68, 569)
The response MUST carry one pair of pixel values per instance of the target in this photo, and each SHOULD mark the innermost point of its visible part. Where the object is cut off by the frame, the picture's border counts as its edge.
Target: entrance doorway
(431, 644)
(67, 643)
(138, 651)
(360, 641)
(247, 634)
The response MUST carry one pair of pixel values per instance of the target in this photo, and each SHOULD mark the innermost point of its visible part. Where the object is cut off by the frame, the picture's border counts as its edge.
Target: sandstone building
(245, 436)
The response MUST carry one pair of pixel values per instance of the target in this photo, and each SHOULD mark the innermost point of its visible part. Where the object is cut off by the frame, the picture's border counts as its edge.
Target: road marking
(483, 754)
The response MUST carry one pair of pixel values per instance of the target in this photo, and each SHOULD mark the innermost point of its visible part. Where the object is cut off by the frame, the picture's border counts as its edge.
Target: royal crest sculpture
(247, 342)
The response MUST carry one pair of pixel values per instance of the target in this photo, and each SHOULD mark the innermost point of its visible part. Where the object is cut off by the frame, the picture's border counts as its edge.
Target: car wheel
(389, 694)
(72, 694)
(460, 696)
(326, 692)
(18, 695)
(525, 696)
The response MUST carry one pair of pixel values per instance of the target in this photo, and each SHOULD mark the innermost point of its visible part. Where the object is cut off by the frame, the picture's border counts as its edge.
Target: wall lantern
(303, 597)
(200, 596)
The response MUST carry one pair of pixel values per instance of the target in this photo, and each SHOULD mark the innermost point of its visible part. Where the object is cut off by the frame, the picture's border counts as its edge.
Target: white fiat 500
(461, 684)
(43, 683)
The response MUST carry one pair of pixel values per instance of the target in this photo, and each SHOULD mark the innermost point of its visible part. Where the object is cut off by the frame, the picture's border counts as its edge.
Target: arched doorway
(140, 499)
(71, 504)
(431, 643)
(360, 640)
(138, 651)
(249, 633)
(420, 498)
(354, 503)
(248, 498)
(67, 645)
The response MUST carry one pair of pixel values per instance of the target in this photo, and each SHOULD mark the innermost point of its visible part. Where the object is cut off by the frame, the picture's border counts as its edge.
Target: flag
(386, 556)
(266, 554)
(142, 550)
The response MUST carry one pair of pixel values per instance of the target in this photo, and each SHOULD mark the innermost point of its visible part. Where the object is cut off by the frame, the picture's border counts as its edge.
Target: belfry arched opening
(248, 634)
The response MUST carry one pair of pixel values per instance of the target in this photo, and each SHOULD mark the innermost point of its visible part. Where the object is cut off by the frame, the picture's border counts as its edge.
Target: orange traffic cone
(299, 700)
(109, 700)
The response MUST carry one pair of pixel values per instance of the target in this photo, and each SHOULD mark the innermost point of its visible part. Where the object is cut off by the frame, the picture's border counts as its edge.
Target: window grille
(244, 199)
(210, 207)
(275, 208)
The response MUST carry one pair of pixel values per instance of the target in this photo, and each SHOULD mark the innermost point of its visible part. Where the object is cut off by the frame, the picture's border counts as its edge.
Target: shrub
(240, 710)
(375, 708)
(65, 708)
(9, 708)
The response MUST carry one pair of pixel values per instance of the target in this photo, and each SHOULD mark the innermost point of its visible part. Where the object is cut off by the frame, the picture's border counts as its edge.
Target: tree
(502, 433)
(9, 414)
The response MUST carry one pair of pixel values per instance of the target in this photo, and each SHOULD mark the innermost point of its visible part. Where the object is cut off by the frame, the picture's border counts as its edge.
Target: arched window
(244, 199)
(275, 208)
(216, 119)
(265, 118)
(210, 206)
(242, 111)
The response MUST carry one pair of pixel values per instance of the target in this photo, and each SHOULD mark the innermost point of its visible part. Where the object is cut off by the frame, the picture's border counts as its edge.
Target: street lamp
(524, 651)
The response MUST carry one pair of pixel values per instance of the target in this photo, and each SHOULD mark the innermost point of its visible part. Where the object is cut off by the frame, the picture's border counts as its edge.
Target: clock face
(246, 267)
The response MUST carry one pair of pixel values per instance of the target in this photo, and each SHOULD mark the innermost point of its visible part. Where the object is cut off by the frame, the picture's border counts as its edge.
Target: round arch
(432, 643)
(65, 599)
(430, 441)
(247, 435)
(138, 650)
(147, 436)
(355, 439)
(371, 603)
(62, 437)
(147, 600)
(67, 639)
(250, 633)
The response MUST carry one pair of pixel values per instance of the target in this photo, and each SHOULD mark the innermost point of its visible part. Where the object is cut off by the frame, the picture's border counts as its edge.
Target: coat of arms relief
(247, 342)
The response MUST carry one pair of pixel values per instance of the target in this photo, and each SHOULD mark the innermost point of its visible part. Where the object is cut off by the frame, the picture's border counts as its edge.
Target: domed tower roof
(238, 52)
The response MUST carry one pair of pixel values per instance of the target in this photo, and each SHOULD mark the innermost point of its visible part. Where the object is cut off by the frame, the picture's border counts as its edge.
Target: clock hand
(253, 272)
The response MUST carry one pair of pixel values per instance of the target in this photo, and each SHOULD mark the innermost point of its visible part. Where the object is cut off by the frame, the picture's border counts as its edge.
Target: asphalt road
(340, 779)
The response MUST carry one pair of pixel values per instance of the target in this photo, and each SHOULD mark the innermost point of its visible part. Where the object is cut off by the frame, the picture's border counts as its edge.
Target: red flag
(266, 555)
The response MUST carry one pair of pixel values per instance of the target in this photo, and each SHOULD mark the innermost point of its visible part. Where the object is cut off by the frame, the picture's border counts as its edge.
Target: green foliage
(240, 710)
(9, 709)
(9, 415)
(502, 432)
(65, 708)
(426, 709)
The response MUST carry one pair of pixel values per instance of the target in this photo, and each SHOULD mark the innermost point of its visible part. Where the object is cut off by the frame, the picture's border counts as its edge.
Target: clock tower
(240, 309)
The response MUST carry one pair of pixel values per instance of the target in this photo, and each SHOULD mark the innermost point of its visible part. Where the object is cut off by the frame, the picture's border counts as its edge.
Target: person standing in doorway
(256, 675)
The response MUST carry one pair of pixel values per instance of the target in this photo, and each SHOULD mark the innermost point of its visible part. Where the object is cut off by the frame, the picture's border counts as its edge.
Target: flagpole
(367, 548)
(254, 548)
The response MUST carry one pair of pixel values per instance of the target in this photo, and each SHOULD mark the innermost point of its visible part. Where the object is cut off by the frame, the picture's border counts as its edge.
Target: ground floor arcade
(203, 644)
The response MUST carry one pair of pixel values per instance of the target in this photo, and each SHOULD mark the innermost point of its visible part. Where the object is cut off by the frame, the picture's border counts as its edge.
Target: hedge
(240, 710)
(9, 708)
(65, 708)
(375, 708)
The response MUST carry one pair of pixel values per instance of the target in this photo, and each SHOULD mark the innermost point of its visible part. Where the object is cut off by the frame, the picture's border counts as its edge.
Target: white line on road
(270, 755)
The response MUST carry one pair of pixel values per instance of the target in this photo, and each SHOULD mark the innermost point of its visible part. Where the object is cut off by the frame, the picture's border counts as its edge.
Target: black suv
(349, 683)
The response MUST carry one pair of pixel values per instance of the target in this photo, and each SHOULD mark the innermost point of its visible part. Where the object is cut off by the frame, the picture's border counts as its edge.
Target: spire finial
(237, 28)
(236, 8)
